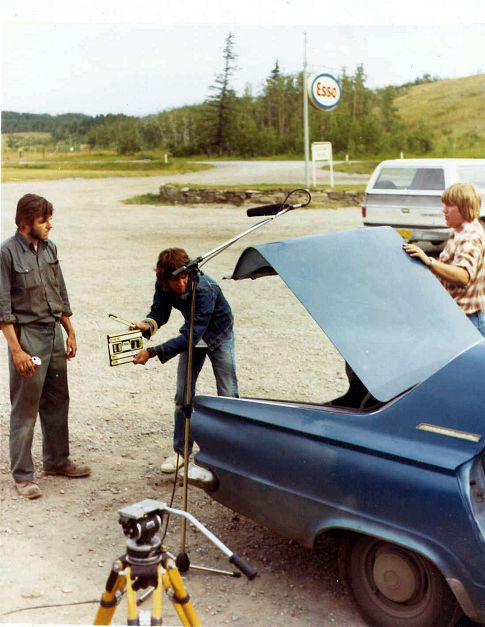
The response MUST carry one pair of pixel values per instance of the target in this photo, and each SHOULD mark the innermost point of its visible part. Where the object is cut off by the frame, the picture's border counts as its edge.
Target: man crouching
(213, 336)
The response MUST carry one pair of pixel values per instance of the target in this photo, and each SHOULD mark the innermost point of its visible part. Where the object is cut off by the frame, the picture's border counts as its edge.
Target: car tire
(395, 587)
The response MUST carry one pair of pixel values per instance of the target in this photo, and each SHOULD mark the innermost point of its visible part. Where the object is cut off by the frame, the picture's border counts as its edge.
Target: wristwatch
(151, 352)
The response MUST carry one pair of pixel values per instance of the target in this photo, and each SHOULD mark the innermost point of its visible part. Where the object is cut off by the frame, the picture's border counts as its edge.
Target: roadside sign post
(305, 117)
(322, 151)
(324, 92)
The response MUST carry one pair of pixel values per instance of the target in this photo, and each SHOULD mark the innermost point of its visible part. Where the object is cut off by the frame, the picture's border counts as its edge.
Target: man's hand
(142, 357)
(23, 363)
(451, 273)
(416, 251)
(141, 326)
(71, 345)
(22, 360)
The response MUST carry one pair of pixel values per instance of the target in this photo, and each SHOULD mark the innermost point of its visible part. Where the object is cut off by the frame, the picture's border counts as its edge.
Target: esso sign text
(324, 91)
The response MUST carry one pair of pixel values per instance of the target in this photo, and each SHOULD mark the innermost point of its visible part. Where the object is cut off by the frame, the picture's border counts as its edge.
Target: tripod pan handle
(243, 566)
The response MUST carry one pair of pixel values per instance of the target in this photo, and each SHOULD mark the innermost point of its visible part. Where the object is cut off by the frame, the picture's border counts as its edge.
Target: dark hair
(30, 207)
(169, 260)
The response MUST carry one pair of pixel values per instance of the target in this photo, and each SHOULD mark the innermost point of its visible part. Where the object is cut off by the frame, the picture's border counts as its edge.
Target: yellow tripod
(147, 564)
(133, 577)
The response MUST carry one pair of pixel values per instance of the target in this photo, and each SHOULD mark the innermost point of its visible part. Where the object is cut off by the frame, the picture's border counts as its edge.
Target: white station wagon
(406, 194)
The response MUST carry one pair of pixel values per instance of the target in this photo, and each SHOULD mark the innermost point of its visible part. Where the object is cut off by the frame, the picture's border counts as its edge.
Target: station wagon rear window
(411, 178)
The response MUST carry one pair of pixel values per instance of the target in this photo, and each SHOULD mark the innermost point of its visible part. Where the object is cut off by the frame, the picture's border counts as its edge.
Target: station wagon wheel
(395, 587)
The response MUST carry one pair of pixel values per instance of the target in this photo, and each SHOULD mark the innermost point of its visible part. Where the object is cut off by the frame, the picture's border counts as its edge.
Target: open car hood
(386, 313)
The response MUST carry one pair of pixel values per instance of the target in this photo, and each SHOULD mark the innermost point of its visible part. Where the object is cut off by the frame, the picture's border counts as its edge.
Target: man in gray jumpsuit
(33, 306)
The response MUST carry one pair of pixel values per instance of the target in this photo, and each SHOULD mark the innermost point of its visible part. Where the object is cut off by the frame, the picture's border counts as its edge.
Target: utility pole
(305, 117)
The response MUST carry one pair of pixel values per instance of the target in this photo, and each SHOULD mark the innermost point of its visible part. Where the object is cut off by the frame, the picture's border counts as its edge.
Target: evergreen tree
(221, 105)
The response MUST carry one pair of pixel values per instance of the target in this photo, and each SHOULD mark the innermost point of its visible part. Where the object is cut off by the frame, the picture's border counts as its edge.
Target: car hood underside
(386, 313)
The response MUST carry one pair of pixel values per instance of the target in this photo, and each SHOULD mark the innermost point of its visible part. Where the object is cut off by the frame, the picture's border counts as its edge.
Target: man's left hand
(142, 357)
(71, 346)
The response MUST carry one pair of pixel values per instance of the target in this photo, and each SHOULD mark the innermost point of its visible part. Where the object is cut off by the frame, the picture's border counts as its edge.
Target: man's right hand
(23, 363)
(142, 326)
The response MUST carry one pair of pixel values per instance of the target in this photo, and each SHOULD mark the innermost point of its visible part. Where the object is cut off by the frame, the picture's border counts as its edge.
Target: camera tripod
(148, 564)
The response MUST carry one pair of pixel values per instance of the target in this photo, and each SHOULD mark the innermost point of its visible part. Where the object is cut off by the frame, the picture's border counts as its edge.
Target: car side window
(474, 174)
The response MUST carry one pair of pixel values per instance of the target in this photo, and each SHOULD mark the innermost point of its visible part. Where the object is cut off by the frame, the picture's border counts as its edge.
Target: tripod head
(140, 523)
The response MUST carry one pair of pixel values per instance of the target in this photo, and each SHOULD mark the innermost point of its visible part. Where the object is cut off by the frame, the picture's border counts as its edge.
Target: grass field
(355, 167)
(453, 110)
(35, 166)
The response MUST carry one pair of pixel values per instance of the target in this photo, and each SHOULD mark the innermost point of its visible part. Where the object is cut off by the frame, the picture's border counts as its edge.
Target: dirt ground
(58, 550)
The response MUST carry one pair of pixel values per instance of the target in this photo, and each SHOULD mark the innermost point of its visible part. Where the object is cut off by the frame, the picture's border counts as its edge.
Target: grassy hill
(453, 110)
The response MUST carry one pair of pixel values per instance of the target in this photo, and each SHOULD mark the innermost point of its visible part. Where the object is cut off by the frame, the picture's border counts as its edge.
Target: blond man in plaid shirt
(461, 267)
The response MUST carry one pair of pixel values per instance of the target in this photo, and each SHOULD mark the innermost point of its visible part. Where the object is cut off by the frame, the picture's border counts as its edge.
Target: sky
(141, 57)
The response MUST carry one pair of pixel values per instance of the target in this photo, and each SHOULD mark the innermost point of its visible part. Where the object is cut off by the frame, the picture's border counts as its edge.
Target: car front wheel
(395, 587)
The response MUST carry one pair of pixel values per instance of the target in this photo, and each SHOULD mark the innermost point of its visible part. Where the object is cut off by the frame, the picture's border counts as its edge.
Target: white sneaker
(170, 464)
(199, 477)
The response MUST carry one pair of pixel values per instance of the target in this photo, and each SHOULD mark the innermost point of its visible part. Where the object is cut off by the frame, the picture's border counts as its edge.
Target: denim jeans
(224, 368)
(478, 319)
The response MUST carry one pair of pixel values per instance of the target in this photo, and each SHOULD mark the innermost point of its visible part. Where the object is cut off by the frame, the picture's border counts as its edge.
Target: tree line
(267, 123)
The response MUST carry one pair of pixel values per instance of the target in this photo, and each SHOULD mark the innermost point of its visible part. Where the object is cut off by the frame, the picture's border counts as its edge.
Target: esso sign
(324, 91)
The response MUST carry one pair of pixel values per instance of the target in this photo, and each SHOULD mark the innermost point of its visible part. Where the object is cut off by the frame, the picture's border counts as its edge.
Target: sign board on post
(322, 151)
(324, 91)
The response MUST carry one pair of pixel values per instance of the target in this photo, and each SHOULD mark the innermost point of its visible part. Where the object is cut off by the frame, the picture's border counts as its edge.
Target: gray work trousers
(44, 393)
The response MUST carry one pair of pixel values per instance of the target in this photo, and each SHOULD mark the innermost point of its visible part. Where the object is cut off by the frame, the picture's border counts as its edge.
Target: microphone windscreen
(266, 210)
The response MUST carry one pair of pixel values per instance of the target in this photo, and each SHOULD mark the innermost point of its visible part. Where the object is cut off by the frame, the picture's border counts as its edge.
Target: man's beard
(37, 233)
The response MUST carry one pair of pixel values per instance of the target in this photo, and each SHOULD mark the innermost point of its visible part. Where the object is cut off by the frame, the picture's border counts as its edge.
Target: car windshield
(411, 178)
(472, 174)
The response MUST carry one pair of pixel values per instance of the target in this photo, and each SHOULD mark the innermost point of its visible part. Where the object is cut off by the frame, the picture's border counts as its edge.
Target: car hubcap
(396, 576)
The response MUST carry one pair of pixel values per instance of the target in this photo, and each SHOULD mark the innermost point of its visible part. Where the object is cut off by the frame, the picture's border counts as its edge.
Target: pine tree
(221, 105)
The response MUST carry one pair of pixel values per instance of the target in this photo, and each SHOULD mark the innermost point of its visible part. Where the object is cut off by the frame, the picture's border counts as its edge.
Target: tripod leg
(107, 605)
(157, 599)
(131, 599)
(181, 598)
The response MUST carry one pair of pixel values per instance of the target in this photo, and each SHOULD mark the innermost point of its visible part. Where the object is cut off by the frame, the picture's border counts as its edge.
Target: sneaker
(70, 470)
(199, 477)
(170, 464)
(29, 489)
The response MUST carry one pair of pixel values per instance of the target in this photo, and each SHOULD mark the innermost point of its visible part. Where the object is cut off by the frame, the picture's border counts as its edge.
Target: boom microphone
(270, 210)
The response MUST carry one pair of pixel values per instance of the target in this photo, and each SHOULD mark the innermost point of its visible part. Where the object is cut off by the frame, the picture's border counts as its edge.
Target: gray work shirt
(32, 285)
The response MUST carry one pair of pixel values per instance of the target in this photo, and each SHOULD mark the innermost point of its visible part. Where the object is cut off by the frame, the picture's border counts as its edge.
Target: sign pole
(305, 117)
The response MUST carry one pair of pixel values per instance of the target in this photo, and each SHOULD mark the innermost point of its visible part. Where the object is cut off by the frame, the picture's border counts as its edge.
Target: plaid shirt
(466, 249)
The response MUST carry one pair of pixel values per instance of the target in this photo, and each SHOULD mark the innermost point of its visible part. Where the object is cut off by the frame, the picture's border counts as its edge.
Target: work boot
(28, 489)
(70, 470)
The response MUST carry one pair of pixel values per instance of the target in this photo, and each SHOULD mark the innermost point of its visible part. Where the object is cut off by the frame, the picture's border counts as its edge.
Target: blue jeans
(478, 319)
(224, 368)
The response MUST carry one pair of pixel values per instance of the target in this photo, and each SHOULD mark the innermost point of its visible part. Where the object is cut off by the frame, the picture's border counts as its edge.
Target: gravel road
(58, 549)
(253, 172)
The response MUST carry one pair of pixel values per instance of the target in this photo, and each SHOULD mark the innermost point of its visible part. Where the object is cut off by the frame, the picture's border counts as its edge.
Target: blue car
(395, 466)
